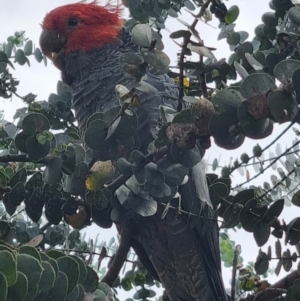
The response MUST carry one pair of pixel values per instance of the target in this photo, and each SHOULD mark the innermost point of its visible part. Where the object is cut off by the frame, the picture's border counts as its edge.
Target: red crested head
(80, 27)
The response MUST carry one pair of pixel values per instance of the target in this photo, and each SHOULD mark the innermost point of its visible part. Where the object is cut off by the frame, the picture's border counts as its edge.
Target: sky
(16, 15)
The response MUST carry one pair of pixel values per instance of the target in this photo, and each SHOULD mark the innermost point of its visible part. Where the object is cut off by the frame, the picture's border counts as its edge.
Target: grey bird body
(185, 259)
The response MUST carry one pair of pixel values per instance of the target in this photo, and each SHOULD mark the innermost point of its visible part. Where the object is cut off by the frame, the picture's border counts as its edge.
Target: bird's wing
(184, 249)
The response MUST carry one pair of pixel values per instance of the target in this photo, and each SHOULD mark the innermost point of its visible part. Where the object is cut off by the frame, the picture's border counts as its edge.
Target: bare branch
(237, 252)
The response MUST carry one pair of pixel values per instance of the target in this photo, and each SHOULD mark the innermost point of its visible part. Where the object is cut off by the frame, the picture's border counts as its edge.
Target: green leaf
(253, 128)
(8, 267)
(293, 232)
(35, 123)
(32, 251)
(52, 173)
(139, 279)
(8, 49)
(55, 254)
(174, 172)
(4, 229)
(74, 294)
(35, 149)
(70, 267)
(261, 264)
(82, 268)
(59, 291)
(20, 57)
(48, 277)
(232, 14)
(19, 290)
(261, 233)
(283, 106)
(4, 58)
(3, 180)
(286, 260)
(158, 59)
(293, 293)
(28, 47)
(91, 281)
(284, 70)
(187, 158)
(3, 287)
(248, 284)
(218, 191)
(126, 284)
(296, 199)
(38, 55)
(274, 210)
(294, 15)
(233, 38)
(142, 35)
(17, 194)
(19, 176)
(132, 64)
(257, 84)
(32, 269)
(3, 67)
(136, 11)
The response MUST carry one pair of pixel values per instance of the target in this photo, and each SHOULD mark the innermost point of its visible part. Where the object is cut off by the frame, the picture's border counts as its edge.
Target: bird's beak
(52, 44)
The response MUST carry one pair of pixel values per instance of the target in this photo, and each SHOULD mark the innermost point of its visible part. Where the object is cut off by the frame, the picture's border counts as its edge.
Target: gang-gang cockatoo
(85, 41)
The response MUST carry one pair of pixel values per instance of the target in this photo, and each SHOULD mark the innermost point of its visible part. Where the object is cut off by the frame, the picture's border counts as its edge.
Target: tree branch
(237, 252)
(269, 165)
(276, 289)
(287, 281)
(21, 158)
(121, 254)
(269, 294)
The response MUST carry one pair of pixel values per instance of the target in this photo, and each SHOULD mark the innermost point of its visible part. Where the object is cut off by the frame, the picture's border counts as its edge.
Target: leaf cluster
(27, 274)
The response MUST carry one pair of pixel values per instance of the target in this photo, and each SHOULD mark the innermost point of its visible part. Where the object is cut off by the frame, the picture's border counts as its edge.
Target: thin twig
(15, 214)
(237, 252)
(186, 212)
(89, 261)
(265, 148)
(94, 253)
(277, 184)
(45, 227)
(269, 165)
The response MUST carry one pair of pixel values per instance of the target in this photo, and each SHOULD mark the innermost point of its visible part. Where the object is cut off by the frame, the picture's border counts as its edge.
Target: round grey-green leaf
(20, 57)
(8, 267)
(3, 287)
(294, 15)
(59, 291)
(257, 84)
(19, 290)
(71, 268)
(32, 269)
(28, 47)
(48, 277)
(38, 55)
(91, 281)
(232, 14)
(142, 35)
(284, 70)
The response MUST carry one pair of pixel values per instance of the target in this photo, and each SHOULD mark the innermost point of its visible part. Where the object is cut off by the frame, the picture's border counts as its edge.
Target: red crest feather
(97, 25)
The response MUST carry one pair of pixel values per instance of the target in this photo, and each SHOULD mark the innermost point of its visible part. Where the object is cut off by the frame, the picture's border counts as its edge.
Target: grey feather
(185, 259)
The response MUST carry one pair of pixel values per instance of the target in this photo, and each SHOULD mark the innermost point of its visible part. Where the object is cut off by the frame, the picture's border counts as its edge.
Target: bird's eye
(72, 22)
